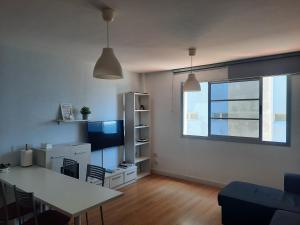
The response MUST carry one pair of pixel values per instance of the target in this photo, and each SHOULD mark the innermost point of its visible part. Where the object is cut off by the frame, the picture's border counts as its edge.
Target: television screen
(105, 134)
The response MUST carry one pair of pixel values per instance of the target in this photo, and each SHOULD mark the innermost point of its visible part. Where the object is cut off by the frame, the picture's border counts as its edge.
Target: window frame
(238, 139)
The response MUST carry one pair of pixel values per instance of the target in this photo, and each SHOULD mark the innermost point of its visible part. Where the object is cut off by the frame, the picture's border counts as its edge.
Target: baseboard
(188, 178)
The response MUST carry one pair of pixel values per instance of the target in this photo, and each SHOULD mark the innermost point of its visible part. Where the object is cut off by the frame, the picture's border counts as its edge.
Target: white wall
(215, 161)
(33, 84)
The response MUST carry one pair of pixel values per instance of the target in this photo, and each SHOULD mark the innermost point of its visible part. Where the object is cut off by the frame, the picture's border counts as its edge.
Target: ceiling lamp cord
(191, 64)
(107, 34)
(172, 93)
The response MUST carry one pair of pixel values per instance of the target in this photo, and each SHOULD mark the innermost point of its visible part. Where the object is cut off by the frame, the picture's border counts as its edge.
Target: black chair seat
(12, 211)
(50, 217)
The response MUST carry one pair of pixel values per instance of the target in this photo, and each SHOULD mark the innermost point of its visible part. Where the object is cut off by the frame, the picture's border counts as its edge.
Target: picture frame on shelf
(66, 111)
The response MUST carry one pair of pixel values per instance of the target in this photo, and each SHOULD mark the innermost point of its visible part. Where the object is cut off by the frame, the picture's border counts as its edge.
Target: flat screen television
(105, 134)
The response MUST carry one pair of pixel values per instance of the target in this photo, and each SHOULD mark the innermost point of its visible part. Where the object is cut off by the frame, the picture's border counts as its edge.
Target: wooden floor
(158, 200)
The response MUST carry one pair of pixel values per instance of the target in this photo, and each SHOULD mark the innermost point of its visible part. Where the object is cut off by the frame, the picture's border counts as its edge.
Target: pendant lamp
(108, 66)
(191, 84)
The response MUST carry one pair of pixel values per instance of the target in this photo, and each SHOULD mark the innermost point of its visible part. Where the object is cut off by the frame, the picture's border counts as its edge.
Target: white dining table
(70, 196)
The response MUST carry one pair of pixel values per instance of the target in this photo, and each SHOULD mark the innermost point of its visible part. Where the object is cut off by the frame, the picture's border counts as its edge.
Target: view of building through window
(195, 111)
(235, 109)
(274, 108)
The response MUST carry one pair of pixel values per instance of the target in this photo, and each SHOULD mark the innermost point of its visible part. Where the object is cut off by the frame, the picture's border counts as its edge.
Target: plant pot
(85, 116)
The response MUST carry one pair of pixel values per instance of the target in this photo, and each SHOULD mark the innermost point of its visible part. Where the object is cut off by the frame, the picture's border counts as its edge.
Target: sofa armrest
(292, 183)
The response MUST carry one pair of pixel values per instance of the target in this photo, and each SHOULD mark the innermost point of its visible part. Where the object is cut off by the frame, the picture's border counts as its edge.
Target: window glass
(274, 109)
(235, 90)
(235, 109)
(230, 114)
(195, 112)
(236, 128)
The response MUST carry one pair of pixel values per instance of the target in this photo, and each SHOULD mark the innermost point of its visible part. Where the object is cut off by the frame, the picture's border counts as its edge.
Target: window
(195, 109)
(253, 110)
(274, 114)
(235, 109)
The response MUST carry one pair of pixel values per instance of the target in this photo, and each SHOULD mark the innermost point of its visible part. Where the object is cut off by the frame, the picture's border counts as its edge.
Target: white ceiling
(153, 35)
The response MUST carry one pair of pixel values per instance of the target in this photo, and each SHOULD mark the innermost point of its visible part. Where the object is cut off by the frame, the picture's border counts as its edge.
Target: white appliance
(26, 157)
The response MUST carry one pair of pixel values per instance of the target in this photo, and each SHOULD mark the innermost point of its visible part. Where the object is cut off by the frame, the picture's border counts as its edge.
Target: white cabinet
(56, 162)
(116, 180)
(107, 183)
(130, 175)
(120, 177)
(53, 158)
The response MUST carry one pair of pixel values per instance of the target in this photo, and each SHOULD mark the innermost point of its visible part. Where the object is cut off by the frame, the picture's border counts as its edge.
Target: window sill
(233, 139)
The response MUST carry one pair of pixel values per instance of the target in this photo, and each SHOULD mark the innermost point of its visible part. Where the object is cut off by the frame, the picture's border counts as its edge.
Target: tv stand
(121, 177)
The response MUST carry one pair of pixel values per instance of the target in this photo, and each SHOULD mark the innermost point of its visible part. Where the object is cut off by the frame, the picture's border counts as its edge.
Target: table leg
(77, 220)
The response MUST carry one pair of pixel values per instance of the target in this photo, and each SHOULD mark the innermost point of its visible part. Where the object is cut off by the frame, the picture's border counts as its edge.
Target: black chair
(98, 173)
(70, 168)
(25, 200)
(9, 211)
(67, 162)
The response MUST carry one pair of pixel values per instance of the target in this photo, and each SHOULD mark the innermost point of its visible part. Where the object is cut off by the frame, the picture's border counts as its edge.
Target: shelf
(137, 107)
(141, 159)
(141, 143)
(70, 121)
(140, 127)
(142, 174)
(142, 110)
(141, 94)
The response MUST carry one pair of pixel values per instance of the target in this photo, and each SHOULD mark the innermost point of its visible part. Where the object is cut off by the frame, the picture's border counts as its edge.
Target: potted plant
(85, 111)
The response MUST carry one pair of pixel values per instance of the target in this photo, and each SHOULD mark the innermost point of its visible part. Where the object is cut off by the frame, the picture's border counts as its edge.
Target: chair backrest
(25, 200)
(70, 168)
(96, 172)
(3, 201)
(67, 162)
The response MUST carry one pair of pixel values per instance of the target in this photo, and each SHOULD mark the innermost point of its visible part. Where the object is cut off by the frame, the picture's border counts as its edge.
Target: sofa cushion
(285, 218)
(260, 195)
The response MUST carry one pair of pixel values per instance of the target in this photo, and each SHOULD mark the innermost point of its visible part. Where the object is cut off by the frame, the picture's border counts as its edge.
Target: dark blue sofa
(249, 204)
(285, 218)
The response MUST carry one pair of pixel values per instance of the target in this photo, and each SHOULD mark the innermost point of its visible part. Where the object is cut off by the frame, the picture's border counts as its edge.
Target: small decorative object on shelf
(142, 140)
(142, 107)
(85, 111)
(66, 111)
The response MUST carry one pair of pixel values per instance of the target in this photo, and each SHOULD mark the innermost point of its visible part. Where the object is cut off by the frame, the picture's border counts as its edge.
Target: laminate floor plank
(159, 200)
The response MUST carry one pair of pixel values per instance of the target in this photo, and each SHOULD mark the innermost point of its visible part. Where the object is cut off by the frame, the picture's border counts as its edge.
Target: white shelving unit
(137, 126)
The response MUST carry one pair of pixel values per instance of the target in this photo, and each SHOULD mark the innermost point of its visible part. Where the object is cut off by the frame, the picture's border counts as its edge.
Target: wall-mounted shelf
(70, 121)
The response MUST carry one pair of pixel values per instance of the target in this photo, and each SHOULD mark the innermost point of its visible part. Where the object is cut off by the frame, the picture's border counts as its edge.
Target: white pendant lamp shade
(108, 66)
(191, 84)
